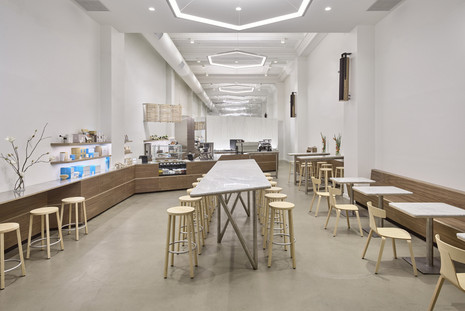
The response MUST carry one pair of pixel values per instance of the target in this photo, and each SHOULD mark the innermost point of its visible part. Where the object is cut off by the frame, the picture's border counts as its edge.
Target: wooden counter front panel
(146, 170)
(146, 184)
(199, 167)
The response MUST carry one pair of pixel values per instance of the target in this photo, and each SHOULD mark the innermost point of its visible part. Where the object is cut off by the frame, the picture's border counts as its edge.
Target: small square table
(428, 211)
(350, 181)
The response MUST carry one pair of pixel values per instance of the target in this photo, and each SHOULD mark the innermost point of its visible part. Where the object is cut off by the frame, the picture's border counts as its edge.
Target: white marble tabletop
(231, 176)
(297, 154)
(380, 190)
(461, 236)
(320, 157)
(352, 180)
(428, 209)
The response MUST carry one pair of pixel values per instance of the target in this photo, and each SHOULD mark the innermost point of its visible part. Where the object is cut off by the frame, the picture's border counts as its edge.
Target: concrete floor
(119, 266)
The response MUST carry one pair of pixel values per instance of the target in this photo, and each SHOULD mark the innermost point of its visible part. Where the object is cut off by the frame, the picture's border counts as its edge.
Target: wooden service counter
(104, 190)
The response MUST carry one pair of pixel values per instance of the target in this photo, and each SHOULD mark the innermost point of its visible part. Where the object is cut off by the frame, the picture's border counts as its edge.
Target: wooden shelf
(127, 152)
(150, 140)
(78, 144)
(128, 141)
(80, 160)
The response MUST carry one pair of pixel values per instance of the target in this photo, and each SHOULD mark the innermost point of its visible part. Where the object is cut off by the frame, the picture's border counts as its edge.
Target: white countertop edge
(428, 209)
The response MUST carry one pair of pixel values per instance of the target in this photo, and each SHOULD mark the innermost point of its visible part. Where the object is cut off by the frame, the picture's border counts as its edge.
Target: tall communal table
(428, 265)
(307, 158)
(234, 177)
(296, 155)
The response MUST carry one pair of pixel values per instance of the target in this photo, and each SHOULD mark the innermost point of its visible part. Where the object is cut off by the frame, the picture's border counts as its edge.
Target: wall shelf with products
(79, 160)
(79, 144)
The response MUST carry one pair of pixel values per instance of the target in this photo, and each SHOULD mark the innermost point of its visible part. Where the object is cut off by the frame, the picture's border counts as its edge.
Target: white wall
(49, 72)
(221, 129)
(420, 110)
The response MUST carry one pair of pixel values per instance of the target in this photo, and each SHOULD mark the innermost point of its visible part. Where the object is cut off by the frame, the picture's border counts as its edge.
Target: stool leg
(173, 230)
(191, 219)
(291, 236)
(60, 233)
(70, 212)
(270, 245)
(42, 218)
(165, 269)
(20, 251)
(47, 223)
(62, 210)
(283, 216)
(189, 246)
(85, 216)
(2, 261)
(265, 226)
(76, 208)
(28, 249)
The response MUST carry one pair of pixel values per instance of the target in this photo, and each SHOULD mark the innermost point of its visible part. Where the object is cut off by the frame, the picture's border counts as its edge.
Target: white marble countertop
(308, 154)
(428, 209)
(320, 157)
(461, 236)
(352, 180)
(231, 176)
(380, 190)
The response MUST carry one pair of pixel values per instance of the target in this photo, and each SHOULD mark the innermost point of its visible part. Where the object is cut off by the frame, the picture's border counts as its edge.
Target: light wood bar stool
(267, 174)
(199, 219)
(199, 179)
(291, 170)
(270, 197)
(302, 172)
(339, 173)
(206, 201)
(44, 213)
(282, 207)
(273, 183)
(267, 191)
(326, 171)
(194, 184)
(6, 228)
(269, 178)
(318, 166)
(185, 213)
(76, 201)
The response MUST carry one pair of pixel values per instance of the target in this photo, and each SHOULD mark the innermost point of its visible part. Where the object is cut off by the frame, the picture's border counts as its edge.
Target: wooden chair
(393, 233)
(341, 207)
(316, 186)
(448, 254)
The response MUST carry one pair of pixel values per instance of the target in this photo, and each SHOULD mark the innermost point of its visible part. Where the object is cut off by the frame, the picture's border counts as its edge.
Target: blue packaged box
(79, 168)
(92, 170)
(66, 171)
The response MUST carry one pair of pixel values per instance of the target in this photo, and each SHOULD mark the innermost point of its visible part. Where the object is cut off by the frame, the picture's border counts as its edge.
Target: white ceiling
(196, 41)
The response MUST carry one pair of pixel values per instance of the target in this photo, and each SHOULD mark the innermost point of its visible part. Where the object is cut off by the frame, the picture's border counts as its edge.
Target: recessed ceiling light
(283, 40)
(238, 8)
(236, 62)
(198, 62)
(328, 8)
(152, 9)
(275, 62)
(266, 74)
(191, 41)
(206, 74)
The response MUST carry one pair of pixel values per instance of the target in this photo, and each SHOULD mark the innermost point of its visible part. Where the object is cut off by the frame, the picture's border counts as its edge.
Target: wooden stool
(326, 171)
(282, 207)
(318, 166)
(44, 213)
(269, 178)
(185, 213)
(5, 228)
(273, 183)
(194, 184)
(199, 179)
(302, 173)
(267, 191)
(76, 201)
(199, 218)
(339, 173)
(270, 197)
(206, 201)
(291, 170)
(267, 174)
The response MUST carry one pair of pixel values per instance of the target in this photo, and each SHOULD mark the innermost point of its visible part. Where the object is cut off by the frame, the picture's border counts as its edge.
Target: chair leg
(436, 293)
(347, 217)
(327, 217)
(359, 223)
(311, 204)
(414, 264)
(318, 206)
(381, 248)
(394, 248)
(368, 242)
(338, 214)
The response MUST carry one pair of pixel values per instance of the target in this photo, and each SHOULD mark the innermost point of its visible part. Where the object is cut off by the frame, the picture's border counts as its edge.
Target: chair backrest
(374, 212)
(449, 254)
(333, 192)
(316, 184)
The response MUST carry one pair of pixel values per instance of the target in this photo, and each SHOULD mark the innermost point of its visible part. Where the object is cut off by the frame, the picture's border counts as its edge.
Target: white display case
(166, 152)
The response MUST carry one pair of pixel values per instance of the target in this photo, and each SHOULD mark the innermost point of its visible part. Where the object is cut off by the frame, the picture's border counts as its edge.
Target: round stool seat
(282, 205)
(273, 189)
(188, 198)
(273, 183)
(44, 210)
(8, 227)
(325, 169)
(276, 196)
(267, 174)
(194, 184)
(199, 179)
(73, 200)
(270, 178)
(180, 210)
(189, 190)
(203, 175)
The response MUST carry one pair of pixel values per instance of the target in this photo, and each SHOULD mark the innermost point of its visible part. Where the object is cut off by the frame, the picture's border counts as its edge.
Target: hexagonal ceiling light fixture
(250, 14)
(236, 89)
(237, 59)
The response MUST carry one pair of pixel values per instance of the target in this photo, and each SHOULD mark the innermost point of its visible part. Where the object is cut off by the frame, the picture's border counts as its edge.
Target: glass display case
(166, 152)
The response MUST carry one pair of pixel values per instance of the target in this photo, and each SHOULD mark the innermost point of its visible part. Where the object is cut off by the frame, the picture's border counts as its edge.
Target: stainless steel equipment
(236, 145)
(206, 151)
(250, 146)
(265, 145)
